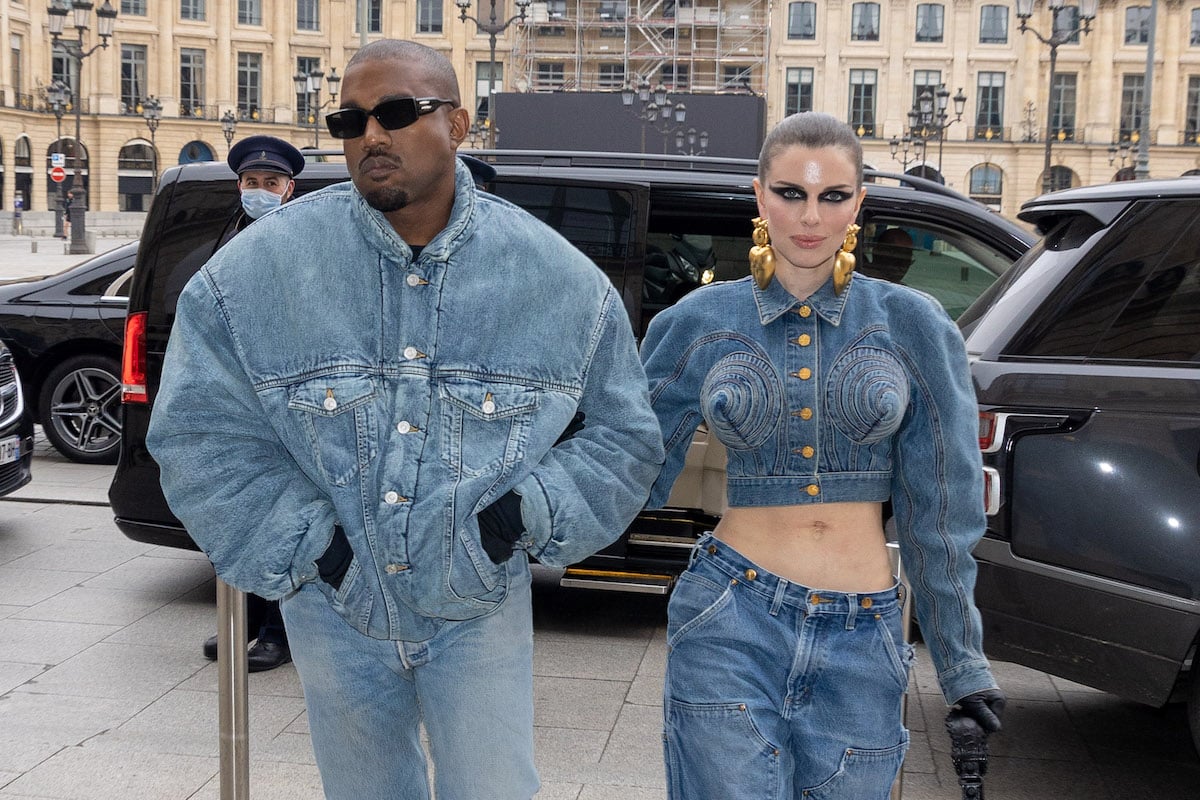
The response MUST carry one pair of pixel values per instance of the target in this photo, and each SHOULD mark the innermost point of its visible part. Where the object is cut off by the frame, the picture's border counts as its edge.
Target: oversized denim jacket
(318, 374)
(859, 397)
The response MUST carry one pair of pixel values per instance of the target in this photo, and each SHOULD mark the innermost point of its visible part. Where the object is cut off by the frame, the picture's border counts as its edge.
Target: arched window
(23, 167)
(195, 151)
(986, 184)
(1060, 178)
(136, 167)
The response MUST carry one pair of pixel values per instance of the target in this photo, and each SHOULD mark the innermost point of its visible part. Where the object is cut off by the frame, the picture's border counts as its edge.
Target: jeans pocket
(900, 653)
(717, 751)
(863, 774)
(485, 425)
(695, 600)
(471, 574)
(335, 412)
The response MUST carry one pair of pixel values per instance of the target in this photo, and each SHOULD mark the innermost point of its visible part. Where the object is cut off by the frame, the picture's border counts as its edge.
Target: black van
(658, 226)
(1086, 360)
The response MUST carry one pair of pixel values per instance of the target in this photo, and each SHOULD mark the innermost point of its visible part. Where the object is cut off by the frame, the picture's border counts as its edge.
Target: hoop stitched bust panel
(742, 400)
(867, 393)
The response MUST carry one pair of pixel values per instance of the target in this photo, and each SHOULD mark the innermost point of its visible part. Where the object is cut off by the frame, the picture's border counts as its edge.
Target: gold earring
(843, 262)
(762, 255)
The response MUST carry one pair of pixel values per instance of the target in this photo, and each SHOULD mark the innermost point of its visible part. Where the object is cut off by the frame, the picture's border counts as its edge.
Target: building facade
(866, 61)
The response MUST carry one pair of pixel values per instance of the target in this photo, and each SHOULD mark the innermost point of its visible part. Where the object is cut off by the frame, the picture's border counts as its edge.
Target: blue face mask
(257, 202)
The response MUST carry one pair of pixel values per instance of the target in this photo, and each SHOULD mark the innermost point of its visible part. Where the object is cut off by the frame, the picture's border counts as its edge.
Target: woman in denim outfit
(832, 392)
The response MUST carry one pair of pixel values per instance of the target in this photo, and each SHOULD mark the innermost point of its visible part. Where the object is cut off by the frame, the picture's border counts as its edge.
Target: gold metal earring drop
(843, 262)
(762, 256)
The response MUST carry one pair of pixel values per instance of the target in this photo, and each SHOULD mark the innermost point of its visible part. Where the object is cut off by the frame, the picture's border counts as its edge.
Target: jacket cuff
(964, 679)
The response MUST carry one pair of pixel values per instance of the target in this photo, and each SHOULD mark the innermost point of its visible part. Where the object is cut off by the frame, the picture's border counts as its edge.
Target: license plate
(10, 449)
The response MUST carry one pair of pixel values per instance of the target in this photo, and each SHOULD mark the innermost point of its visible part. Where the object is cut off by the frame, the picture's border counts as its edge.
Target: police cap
(265, 153)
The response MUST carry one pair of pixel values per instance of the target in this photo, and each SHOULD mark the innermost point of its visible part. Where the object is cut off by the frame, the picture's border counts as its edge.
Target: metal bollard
(906, 626)
(233, 717)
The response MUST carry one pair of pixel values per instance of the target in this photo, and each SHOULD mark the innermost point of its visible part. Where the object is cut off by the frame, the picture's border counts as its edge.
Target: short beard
(386, 200)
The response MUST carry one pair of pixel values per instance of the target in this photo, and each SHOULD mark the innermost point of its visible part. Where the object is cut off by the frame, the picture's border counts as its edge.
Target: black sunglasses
(350, 123)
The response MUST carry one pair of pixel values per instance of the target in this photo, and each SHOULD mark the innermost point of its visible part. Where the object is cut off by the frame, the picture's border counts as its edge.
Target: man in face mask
(265, 167)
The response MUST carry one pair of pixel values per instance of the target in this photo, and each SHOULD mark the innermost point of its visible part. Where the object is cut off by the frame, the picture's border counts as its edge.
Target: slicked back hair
(814, 130)
(432, 63)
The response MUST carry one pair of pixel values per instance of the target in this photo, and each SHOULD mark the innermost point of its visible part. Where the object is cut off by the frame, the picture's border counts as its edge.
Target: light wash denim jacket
(317, 374)
(858, 397)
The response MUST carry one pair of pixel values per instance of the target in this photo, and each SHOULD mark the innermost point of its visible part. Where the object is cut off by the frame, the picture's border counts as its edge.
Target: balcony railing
(198, 111)
(990, 133)
(254, 114)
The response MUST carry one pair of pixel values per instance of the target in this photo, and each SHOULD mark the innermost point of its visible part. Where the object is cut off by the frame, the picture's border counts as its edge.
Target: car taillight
(987, 430)
(133, 361)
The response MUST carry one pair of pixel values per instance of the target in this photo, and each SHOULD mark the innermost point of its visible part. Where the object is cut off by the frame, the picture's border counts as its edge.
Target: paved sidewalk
(31, 256)
(104, 693)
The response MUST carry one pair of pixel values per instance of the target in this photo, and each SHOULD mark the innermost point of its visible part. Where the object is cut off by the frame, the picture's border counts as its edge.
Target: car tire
(79, 406)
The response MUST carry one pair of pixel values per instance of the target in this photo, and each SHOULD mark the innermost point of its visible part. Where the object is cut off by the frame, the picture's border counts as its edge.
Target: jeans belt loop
(852, 613)
(777, 601)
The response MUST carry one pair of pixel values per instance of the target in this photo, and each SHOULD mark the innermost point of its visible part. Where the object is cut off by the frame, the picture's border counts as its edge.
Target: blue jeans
(470, 686)
(776, 691)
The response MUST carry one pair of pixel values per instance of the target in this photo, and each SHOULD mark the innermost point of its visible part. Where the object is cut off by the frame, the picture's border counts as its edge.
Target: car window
(1136, 296)
(118, 289)
(197, 220)
(951, 265)
(599, 221)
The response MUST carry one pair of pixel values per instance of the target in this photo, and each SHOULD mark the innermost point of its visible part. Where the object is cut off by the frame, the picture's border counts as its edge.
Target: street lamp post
(57, 94)
(228, 127)
(106, 18)
(903, 145)
(493, 28)
(930, 117)
(152, 113)
(310, 86)
(691, 139)
(655, 109)
(1058, 36)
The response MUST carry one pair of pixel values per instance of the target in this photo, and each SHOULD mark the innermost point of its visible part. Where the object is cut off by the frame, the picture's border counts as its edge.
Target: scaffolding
(700, 46)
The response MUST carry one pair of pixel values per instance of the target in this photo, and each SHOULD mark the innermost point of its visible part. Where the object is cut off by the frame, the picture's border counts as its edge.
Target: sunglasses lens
(396, 114)
(348, 123)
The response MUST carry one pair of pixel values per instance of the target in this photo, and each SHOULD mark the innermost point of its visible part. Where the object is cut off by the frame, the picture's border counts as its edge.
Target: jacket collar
(384, 236)
(775, 301)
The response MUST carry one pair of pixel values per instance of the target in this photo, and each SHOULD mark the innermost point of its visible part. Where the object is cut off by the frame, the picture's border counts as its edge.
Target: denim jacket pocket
(335, 411)
(485, 424)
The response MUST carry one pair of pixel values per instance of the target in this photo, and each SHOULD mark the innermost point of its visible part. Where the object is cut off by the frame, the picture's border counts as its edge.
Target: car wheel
(79, 407)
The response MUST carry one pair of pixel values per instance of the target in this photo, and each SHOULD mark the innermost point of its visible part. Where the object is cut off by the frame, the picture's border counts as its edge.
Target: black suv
(658, 227)
(1086, 359)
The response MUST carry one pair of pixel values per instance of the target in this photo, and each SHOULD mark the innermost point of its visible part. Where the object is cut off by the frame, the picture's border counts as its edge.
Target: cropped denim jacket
(318, 374)
(864, 396)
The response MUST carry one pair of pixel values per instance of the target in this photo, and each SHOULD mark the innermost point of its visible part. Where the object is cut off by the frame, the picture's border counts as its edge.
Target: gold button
(816, 598)
(867, 602)
(813, 489)
(751, 574)
(807, 452)
(712, 549)
(806, 413)
(804, 340)
(804, 311)
(804, 374)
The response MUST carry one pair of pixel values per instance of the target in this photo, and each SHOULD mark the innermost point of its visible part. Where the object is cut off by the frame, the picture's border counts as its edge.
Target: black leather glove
(500, 527)
(984, 707)
(573, 427)
(500, 524)
(334, 562)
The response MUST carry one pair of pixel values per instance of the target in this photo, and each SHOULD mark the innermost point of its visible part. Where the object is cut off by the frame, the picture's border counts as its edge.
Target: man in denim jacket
(372, 397)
